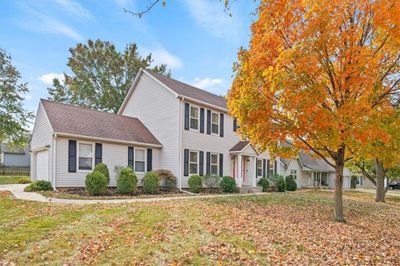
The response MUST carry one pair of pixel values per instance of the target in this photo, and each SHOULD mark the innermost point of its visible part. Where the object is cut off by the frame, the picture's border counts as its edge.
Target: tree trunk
(380, 182)
(339, 216)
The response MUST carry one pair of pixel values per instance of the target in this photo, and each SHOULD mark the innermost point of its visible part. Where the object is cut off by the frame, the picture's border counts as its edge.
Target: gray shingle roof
(77, 120)
(239, 146)
(187, 90)
(314, 163)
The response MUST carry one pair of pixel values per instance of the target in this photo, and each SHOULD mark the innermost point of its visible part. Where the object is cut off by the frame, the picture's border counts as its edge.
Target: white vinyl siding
(214, 123)
(214, 163)
(194, 117)
(193, 162)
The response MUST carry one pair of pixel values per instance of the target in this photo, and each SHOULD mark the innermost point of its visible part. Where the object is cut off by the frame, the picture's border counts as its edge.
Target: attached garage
(42, 165)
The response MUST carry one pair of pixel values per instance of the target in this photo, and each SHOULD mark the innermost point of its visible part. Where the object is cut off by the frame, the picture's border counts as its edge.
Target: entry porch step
(246, 190)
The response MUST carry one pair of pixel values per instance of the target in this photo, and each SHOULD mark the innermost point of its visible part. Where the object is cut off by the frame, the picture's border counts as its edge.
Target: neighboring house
(14, 156)
(309, 171)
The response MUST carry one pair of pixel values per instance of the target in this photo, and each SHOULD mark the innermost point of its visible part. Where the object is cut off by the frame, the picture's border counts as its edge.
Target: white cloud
(213, 85)
(28, 97)
(210, 15)
(49, 77)
(161, 56)
(74, 8)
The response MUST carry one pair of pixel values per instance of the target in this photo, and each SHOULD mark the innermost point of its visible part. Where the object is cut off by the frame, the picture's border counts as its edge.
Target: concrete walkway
(395, 193)
(18, 191)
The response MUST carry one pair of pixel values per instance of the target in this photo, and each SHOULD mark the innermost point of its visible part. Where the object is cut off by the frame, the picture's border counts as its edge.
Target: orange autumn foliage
(317, 72)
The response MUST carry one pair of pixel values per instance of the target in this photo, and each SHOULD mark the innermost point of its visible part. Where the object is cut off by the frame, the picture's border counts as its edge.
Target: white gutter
(54, 160)
(108, 140)
(205, 104)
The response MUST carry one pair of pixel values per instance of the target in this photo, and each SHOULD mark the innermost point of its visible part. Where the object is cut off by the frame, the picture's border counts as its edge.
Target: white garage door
(42, 165)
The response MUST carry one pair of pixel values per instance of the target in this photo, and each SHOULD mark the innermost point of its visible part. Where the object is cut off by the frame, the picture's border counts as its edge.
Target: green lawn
(10, 179)
(277, 228)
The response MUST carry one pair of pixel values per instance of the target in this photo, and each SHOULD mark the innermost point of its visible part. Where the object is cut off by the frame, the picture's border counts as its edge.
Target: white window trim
(145, 160)
(78, 155)
(191, 117)
(295, 175)
(197, 162)
(218, 123)
(262, 167)
(211, 164)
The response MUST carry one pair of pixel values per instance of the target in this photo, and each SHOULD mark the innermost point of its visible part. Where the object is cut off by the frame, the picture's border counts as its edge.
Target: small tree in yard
(318, 73)
(291, 184)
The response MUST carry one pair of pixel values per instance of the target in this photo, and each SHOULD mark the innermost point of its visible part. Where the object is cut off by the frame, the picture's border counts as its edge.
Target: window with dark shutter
(268, 168)
(149, 160)
(186, 162)
(186, 116)
(276, 167)
(264, 167)
(130, 157)
(221, 165)
(234, 124)
(72, 156)
(208, 163)
(209, 122)
(201, 163)
(201, 120)
(221, 126)
(98, 153)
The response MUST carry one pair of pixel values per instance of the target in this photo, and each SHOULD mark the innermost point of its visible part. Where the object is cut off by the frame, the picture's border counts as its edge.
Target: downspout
(54, 161)
(180, 144)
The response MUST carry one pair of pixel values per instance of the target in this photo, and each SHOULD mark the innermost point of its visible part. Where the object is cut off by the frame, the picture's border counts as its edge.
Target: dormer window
(194, 117)
(214, 123)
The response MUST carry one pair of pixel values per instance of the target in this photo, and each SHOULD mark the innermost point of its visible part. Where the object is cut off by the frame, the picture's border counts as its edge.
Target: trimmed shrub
(126, 181)
(264, 183)
(291, 184)
(96, 183)
(280, 183)
(151, 183)
(167, 177)
(211, 181)
(228, 184)
(353, 182)
(24, 180)
(102, 168)
(39, 185)
(195, 183)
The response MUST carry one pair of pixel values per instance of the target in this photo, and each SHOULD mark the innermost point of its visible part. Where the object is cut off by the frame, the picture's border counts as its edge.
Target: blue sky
(197, 40)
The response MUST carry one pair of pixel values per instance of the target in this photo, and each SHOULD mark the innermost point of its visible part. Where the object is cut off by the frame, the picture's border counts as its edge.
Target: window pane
(214, 128)
(139, 155)
(85, 163)
(259, 163)
(194, 112)
(214, 169)
(194, 123)
(193, 157)
(214, 118)
(193, 168)
(214, 158)
(85, 150)
(259, 172)
(139, 166)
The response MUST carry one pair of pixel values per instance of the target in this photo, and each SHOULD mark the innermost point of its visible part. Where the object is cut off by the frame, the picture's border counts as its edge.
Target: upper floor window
(259, 167)
(271, 167)
(194, 117)
(293, 173)
(140, 162)
(214, 163)
(214, 123)
(193, 162)
(85, 156)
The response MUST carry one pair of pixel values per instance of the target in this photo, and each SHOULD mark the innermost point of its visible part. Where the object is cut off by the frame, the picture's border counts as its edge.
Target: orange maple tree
(314, 73)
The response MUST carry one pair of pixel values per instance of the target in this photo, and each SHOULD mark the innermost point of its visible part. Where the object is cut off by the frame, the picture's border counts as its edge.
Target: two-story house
(162, 124)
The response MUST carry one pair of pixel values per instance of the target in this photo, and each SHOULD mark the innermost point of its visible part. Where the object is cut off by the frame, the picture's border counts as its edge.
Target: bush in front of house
(96, 183)
(279, 182)
(151, 183)
(353, 182)
(291, 184)
(102, 168)
(195, 183)
(167, 177)
(24, 180)
(264, 183)
(126, 181)
(211, 181)
(228, 184)
(39, 185)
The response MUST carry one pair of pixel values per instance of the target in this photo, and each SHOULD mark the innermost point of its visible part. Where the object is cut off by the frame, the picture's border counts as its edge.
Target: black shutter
(201, 120)
(72, 156)
(276, 167)
(98, 153)
(264, 167)
(186, 162)
(208, 163)
(149, 160)
(186, 116)
(234, 124)
(221, 165)
(256, 167)
(268, 168)
(221, 125)
(208, 122)
(201, 163)
(130, 156)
